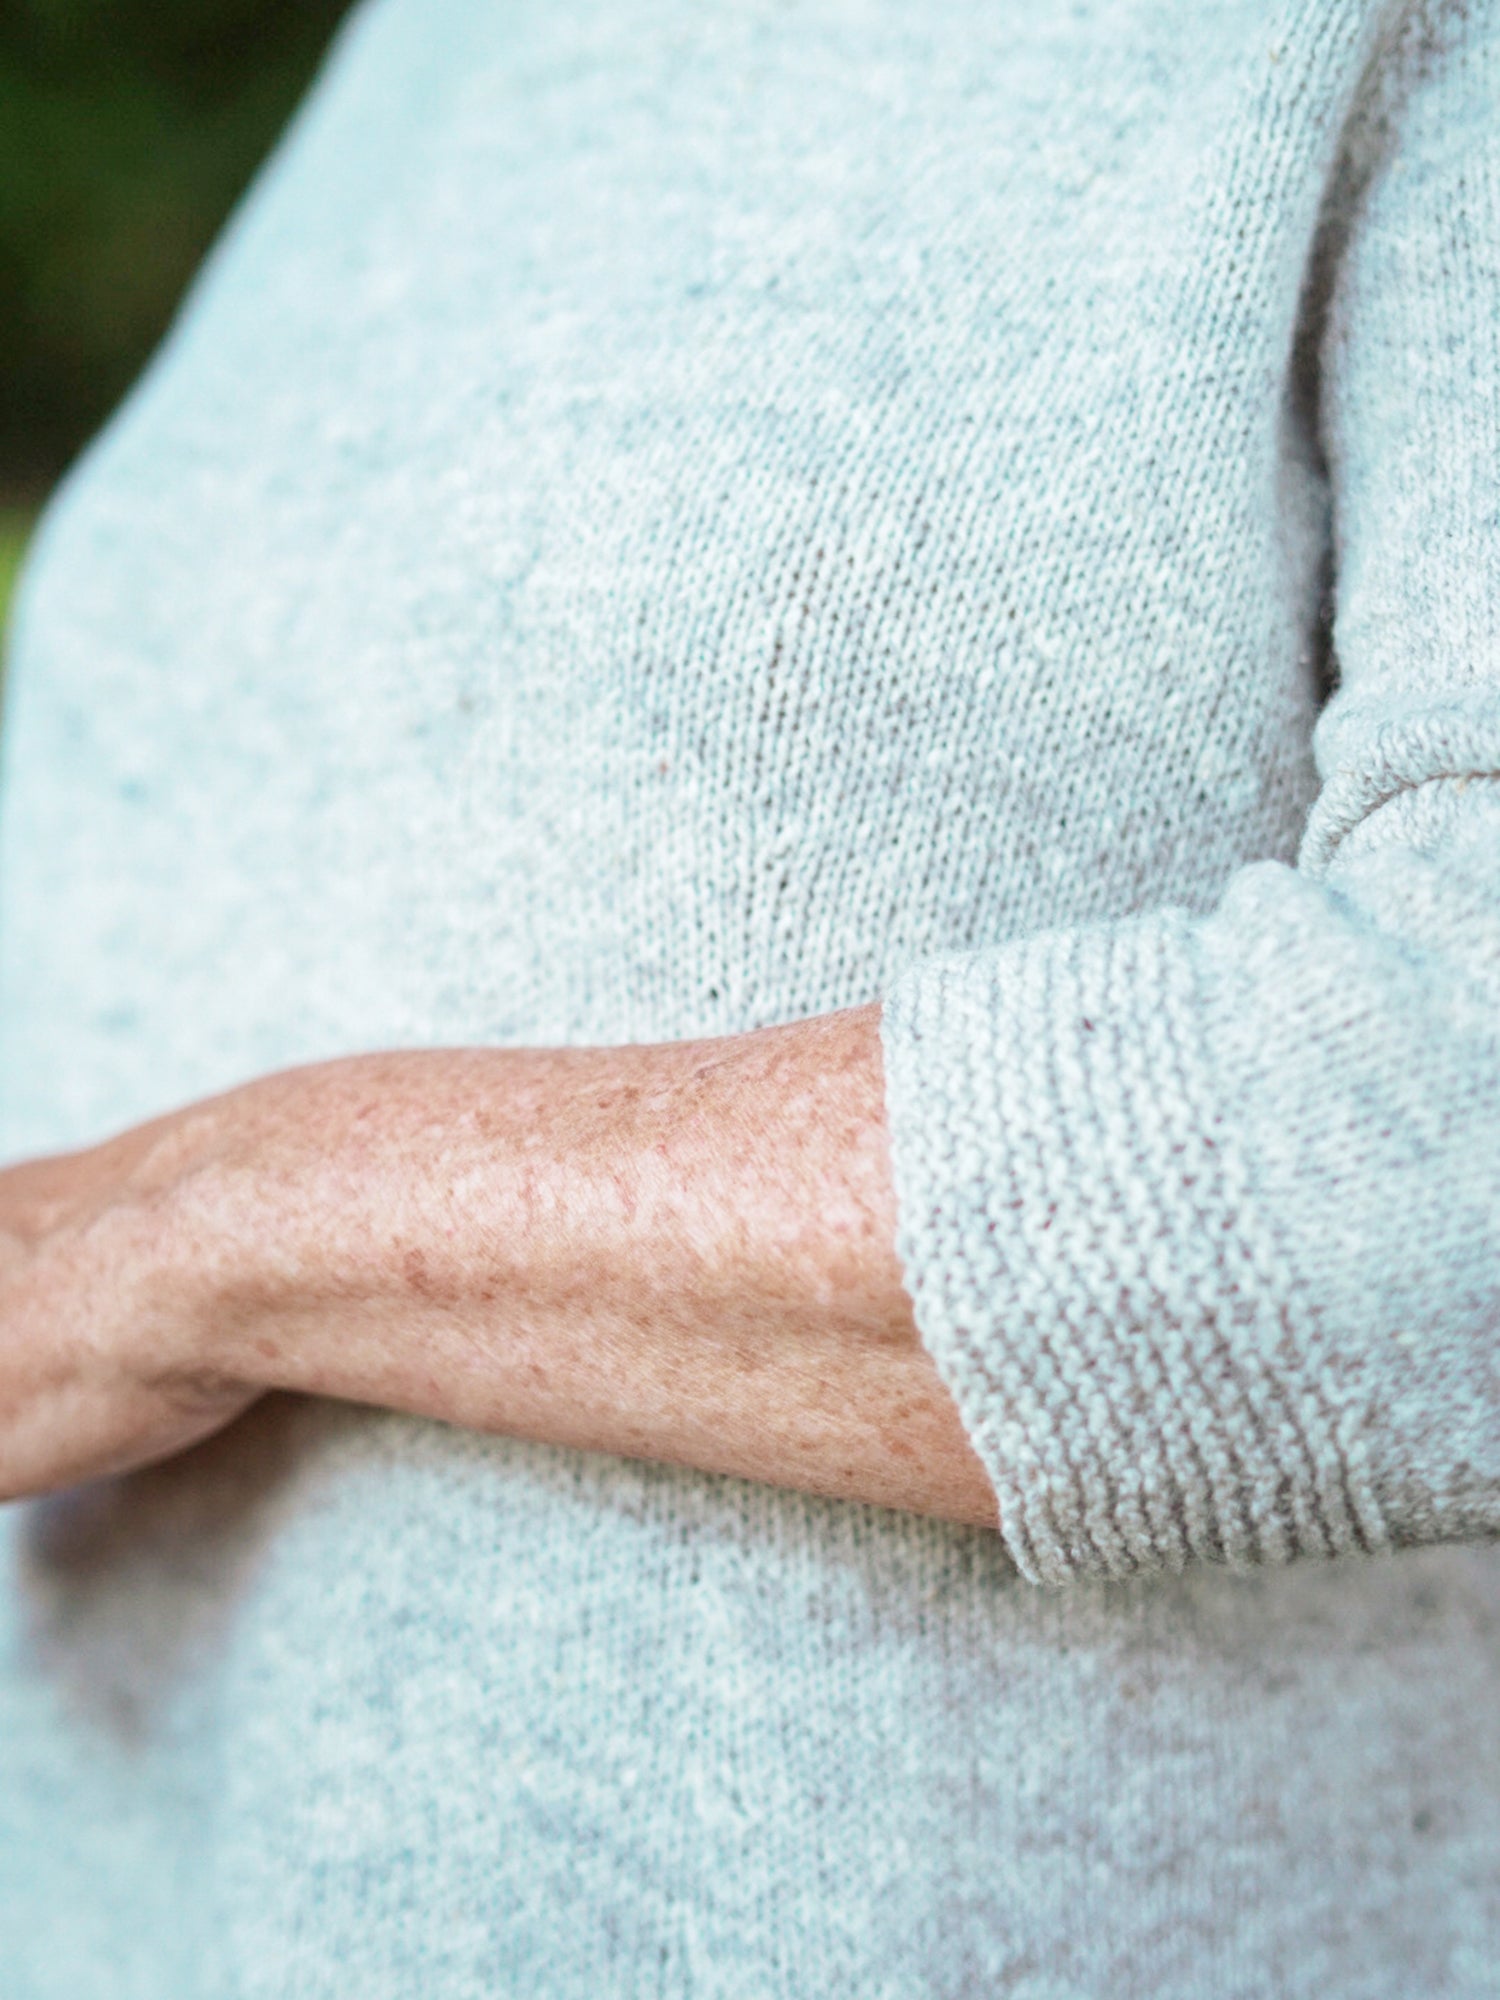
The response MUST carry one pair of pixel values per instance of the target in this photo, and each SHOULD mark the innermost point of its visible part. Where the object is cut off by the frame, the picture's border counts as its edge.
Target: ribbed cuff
(1134, 1363)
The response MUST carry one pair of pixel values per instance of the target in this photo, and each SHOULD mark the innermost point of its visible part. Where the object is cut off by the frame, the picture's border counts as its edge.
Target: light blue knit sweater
(663, 518)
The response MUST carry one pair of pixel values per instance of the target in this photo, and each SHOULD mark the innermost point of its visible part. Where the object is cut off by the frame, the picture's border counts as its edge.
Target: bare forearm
(678, 1252)
(681, 1252)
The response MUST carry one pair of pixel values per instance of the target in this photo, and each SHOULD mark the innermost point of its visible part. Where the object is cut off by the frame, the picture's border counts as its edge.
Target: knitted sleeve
(1200, 1214)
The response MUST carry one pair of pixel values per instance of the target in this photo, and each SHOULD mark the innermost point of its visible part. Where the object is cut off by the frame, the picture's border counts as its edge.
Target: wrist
(335, 1212)
(185, 1231)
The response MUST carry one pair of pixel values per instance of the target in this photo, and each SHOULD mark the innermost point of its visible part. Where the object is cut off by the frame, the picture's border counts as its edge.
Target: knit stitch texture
(661, 519)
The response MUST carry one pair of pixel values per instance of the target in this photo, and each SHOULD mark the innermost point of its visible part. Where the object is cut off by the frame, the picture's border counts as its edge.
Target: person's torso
(654, 518)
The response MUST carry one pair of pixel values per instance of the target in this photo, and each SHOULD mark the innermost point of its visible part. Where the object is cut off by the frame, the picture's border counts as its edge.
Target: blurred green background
(127, 130)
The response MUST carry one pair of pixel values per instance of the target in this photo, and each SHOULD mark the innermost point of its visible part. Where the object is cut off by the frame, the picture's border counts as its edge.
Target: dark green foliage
(14, 529)
(127, 129)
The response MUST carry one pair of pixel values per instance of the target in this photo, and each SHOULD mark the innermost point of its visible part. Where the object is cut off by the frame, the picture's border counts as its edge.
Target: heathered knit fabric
(665, 518)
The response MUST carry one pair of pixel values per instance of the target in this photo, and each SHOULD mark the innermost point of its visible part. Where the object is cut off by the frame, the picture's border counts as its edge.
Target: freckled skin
(682, 1252)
